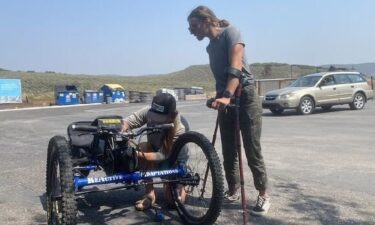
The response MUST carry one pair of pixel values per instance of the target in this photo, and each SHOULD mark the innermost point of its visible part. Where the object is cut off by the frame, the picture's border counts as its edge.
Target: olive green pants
(250, 113)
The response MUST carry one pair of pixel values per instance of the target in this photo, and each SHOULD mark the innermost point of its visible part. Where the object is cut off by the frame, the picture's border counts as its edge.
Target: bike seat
(80, 139)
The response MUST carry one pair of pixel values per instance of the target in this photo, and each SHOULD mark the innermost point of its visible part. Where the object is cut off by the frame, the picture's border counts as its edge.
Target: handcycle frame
(68, 170)
(129, 179)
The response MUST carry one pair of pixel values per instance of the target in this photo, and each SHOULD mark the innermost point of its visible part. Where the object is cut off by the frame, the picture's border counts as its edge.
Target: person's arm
(235, 59)
(180, 128)
(135, 120)
(125, 125)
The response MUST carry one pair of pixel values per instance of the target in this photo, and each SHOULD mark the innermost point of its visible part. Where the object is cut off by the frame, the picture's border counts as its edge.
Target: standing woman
(229, 66)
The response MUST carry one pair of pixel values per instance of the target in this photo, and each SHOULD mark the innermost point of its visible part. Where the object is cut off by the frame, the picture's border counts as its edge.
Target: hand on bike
(124, 126)
(220, 103)
(209, 102)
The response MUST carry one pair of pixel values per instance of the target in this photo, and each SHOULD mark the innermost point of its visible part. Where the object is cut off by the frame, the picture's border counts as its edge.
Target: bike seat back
(80, 139)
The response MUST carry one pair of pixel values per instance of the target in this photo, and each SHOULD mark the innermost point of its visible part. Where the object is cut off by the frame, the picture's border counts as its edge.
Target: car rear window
(355, 78)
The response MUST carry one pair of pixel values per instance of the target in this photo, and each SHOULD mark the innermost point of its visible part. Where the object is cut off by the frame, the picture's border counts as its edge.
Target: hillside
(39, 86)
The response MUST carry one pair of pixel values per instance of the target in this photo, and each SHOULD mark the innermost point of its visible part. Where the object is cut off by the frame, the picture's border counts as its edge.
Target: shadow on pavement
(299, 208)
(291, 112)
(112, 206)
(304, 208)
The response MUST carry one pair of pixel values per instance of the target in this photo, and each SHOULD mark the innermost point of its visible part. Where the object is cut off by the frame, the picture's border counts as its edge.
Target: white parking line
(47, 107)
(89, 110)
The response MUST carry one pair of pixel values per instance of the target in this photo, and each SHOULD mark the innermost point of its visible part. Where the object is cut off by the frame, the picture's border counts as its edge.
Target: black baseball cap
(163, 107)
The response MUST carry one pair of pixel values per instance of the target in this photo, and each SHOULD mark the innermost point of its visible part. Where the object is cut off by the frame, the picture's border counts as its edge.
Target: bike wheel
(61, 202)
(204, 182)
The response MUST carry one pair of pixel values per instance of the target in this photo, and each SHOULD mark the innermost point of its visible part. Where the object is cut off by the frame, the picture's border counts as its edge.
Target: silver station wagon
(320, 90)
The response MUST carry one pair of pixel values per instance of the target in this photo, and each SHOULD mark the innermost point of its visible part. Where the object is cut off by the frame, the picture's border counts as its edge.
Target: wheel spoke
(194, 203)
(358, 101)
(306, 106)
(203, 197)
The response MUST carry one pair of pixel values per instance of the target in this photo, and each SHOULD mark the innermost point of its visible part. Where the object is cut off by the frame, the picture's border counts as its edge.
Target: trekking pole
(237, 95)
(215, 132)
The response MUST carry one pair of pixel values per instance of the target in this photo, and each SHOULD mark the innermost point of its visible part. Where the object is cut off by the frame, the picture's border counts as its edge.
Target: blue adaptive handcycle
(100, 145)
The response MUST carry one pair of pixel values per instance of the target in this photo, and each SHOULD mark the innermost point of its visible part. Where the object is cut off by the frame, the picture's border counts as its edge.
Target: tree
(332, 68)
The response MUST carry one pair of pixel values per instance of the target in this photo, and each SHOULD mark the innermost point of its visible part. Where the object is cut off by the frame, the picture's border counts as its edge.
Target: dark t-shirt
(218, 51)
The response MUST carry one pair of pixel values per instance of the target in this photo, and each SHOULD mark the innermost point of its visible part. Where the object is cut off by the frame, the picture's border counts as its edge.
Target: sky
(143, 37)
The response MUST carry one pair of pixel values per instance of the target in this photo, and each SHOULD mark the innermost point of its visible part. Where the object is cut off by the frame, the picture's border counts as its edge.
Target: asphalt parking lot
(321, 166)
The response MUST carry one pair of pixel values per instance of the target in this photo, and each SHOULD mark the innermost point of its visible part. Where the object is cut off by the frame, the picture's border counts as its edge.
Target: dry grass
(38, 87)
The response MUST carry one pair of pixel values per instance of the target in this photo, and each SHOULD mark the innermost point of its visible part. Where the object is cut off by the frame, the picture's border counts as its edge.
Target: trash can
(108, 99)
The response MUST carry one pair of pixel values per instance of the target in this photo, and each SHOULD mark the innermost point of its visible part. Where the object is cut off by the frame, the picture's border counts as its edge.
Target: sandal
(145, 203)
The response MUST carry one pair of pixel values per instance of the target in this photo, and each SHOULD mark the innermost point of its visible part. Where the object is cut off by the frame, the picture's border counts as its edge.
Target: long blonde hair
(203, 13)
(168, 141)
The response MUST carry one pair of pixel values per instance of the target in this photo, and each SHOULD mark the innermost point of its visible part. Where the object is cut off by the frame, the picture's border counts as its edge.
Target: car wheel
(326, 107)
(277, 111)
(359, 101)
(306, 106)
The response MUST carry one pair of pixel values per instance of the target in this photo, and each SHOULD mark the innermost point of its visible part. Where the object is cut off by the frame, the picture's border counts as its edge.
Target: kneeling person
(159, 145)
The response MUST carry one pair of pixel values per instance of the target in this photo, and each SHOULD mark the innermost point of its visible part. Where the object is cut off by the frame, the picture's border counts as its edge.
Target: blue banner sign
(10, 91)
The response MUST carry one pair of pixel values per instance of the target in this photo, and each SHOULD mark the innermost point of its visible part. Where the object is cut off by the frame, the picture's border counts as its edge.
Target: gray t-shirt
(218, 50)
